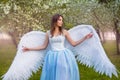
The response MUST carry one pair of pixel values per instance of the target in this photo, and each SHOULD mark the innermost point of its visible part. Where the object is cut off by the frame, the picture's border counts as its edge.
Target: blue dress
(60, 63)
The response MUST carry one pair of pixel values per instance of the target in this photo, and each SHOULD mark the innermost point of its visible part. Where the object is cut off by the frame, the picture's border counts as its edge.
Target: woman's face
(59, 22)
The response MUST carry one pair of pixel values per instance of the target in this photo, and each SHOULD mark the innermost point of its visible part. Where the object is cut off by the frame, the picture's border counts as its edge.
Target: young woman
(55, 52)
(60, 63)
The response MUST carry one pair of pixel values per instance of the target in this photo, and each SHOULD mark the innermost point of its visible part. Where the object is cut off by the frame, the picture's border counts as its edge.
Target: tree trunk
(13, 38)
(117, 36)
(98, 32)
(103, 36)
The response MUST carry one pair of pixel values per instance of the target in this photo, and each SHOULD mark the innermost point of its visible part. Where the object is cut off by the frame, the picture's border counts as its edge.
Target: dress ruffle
(60, 65)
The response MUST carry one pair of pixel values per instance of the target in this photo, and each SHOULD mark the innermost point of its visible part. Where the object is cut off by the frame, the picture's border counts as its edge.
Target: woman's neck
(56, 29)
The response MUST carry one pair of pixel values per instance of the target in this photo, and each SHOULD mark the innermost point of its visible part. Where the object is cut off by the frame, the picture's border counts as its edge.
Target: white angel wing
(90, 52)
(25, 63)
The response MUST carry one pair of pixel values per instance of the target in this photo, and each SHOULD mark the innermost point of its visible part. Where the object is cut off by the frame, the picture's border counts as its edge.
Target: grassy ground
(7, 53)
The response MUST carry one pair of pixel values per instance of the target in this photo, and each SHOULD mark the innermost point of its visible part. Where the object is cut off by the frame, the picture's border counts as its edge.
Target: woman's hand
(25, 49)
(89, 35)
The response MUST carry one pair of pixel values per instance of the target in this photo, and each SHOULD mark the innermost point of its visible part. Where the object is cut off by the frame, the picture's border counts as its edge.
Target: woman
(60, 63)
(47, 50)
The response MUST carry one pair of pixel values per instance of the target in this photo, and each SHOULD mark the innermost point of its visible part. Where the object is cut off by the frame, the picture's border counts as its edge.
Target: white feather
(90, 52)
(25, 63)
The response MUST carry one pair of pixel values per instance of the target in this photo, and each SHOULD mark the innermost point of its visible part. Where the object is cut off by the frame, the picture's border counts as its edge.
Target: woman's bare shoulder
(65, 31)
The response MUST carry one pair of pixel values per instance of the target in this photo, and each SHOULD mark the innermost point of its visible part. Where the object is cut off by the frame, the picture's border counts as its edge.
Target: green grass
(7, 53)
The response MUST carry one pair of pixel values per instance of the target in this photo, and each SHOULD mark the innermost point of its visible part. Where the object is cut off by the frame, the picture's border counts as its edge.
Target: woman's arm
(45, 44)
(75, 43)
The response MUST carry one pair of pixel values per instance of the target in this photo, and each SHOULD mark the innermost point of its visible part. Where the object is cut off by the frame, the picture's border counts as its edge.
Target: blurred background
(18, 17)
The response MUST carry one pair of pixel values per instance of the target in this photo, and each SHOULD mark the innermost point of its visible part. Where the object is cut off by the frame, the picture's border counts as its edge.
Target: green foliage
(113, 6)
(21, 16)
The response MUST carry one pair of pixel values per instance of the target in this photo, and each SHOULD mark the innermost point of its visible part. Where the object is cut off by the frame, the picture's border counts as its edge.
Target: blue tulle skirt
(60, 65)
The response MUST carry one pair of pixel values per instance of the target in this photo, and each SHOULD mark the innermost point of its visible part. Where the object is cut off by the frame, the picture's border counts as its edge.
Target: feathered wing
(90, 52)
(25, 63)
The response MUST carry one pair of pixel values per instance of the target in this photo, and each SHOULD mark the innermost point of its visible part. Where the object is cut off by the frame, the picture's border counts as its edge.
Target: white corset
(57, 42)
